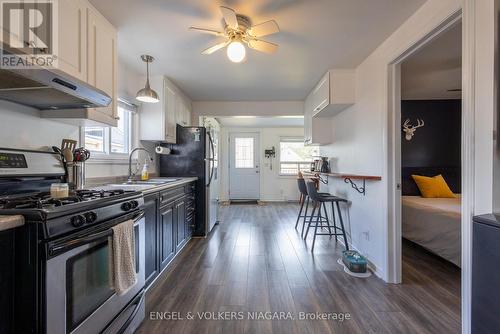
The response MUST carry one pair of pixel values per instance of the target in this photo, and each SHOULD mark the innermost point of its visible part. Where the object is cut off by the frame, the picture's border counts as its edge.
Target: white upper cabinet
(317, 131)
(72, 30)
(334, 93)
(183, 111)
(170, 113)
(87, 50)
(102, 58)
(158, 121)
(307, 122)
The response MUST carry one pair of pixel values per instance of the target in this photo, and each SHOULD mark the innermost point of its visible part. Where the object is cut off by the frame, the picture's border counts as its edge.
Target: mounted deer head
(410, 129)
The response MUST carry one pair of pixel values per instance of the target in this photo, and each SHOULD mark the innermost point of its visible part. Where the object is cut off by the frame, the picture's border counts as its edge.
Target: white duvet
(434, 223)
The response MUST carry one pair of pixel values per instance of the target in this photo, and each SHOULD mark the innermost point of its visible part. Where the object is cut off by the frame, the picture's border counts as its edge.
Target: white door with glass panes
(244, 166)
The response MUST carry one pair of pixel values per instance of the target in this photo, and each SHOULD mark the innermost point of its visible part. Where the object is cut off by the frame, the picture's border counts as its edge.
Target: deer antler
(420, 123)
(406, 125)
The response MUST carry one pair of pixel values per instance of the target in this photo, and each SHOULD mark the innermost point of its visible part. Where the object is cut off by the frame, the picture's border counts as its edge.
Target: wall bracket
(323, 180)
(361, 190)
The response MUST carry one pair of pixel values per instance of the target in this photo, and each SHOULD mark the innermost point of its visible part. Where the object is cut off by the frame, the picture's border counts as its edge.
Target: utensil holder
(76, 171)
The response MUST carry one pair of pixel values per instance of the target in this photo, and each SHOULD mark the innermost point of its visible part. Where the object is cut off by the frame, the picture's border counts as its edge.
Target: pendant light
(147, 94)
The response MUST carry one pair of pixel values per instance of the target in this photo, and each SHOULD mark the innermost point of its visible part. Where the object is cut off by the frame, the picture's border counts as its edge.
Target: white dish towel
(123, 257)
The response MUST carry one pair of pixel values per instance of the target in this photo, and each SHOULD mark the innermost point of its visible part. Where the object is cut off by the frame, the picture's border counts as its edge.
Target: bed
(433, 223)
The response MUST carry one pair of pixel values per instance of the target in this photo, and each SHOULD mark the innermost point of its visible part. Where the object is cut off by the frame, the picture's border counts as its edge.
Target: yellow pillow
(433, 187)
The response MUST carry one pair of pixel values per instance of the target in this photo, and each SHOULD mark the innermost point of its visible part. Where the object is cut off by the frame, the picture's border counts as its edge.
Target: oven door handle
(86, 239)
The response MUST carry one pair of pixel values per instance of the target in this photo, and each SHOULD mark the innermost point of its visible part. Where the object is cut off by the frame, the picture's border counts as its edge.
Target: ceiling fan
(238, 30)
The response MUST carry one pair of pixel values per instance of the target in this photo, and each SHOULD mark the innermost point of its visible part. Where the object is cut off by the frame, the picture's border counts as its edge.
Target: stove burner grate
(43, 200)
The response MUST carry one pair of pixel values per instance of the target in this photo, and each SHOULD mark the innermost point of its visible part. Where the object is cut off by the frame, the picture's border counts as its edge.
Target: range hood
(49, 89)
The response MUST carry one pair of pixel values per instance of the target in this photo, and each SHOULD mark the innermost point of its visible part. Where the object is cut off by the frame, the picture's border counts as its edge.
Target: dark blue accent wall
(436, 147)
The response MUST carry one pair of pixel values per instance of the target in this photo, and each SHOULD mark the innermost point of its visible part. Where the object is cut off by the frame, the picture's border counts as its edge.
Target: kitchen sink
(150, 182)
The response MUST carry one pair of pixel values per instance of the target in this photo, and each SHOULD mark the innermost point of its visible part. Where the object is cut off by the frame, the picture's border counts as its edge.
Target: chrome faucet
(130, 174)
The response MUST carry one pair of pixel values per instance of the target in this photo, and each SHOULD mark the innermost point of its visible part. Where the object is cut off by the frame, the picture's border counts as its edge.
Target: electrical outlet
(366, 235)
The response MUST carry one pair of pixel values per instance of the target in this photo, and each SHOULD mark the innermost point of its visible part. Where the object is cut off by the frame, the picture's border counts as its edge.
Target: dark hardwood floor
(255, 261)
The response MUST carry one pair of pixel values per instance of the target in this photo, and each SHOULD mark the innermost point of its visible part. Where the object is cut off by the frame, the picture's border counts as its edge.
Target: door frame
(394, 257)
(229, 165)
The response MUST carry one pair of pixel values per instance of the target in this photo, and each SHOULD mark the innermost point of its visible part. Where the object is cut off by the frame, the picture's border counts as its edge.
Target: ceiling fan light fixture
(147, 94)
(236, 52)
(238, 31)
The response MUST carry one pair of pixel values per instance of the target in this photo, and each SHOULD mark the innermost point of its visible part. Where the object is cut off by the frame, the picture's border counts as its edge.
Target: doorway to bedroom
(431, 171)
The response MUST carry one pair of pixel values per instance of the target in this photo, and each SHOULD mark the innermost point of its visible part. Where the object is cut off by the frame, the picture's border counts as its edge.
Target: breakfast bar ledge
(348, 178)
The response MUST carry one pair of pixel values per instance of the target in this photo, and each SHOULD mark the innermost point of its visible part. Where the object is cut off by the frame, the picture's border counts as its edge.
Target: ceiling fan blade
(207, 31)
(229, 16)
(214, 48)
(263, 46)
(264, 29)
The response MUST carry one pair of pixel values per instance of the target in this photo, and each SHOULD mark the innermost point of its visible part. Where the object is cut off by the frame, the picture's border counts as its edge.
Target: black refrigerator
(195, 155)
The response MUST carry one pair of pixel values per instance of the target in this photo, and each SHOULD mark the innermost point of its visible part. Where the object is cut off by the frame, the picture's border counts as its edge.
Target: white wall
(129, 82)
(496, 143)
(246, 108)
(359, 134)
(21, 127)
(273, 187)
(487, 154)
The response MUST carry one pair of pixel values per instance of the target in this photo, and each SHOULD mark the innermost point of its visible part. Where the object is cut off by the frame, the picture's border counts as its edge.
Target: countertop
(347, 176)
(8, 222)
(149, 188)
(488, 219)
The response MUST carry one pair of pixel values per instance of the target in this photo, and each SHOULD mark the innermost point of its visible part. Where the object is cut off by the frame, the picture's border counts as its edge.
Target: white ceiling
(315, 35)
(261, 122)
(437, 68)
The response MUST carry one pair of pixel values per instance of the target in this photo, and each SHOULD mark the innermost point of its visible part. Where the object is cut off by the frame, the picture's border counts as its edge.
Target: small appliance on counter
(317, 165)
(320, 165)
(325, 165)
(60, 280)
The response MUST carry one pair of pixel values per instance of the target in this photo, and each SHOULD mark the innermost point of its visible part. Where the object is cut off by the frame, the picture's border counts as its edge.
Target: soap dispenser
(145, 171)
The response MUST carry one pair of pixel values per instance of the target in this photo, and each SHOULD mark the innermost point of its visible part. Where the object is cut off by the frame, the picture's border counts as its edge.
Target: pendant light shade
(147, 94)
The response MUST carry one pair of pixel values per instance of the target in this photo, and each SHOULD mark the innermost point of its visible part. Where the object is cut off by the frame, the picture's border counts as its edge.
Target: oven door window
(88, 283)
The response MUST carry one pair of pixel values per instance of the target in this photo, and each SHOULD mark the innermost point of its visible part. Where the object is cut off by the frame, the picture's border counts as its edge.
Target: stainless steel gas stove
(63, 253)
(82, 209)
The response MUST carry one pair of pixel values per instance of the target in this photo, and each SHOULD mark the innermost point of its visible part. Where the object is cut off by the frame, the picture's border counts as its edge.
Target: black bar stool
(319, 201)
(305, 199)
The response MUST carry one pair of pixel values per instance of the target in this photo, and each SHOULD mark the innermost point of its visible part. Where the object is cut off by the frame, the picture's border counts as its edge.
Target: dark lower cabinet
(189, 226)
(152, 236)
(7, 279)
(485, 275)
(180, 212)
(167, 225)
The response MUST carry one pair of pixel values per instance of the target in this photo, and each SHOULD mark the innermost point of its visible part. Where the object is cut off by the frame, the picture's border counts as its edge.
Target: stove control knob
(134, 204)
(78, 221)
(90, 217)
(126, 206)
